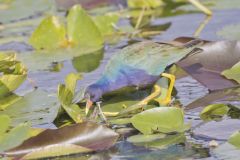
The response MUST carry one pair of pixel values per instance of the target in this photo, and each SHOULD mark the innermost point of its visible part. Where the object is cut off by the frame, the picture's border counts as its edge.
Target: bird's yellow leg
(141, 104)
(145, 101)
(167, 99)
(154, 94)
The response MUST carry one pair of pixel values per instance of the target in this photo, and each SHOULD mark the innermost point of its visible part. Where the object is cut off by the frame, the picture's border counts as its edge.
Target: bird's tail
(194, 46)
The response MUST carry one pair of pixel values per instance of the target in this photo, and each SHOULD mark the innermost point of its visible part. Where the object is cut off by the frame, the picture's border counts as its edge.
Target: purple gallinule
(139, 65)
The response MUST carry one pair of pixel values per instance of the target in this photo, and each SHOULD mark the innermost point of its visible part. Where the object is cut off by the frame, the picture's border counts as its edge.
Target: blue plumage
(137, 65)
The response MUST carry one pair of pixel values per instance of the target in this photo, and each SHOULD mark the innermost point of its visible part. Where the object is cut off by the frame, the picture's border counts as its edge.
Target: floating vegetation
(79, 78)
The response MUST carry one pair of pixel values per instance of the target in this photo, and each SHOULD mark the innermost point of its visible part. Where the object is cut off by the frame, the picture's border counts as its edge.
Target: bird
(139, 65)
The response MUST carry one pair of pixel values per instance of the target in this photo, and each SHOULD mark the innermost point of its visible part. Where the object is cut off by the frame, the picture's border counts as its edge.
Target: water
(188, 88)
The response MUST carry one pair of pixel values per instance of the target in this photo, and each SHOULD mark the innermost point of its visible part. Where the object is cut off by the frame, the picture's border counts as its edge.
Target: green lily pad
(117, 104)
(50, 34)
(144, 3)
(81, 29)
(25, 8)
(166, 142)
(10, 82)
(56, 150)
(13, 73)
(74, 112)
(8, 100)
(141, 138)
(37, 107)
(105, 23)
(162, 119)
(158, 141)
(66, 95)
(234, 139)
(5, 123)
(214, 111)
(233, 73)
(120, 121)
(42, 60)
(14, 137)
(71, 81)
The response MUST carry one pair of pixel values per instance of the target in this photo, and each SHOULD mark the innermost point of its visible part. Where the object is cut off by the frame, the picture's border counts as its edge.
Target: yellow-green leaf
(50, 34)
(8, 100)
(74, 112)
(10, 82)
(105, 23)
(144, 3)
(5, 123)
(81, 29)
(15, 137)
(141, 138)
(233, 73)
(162, 119)
(56, 150)
(65, 96)
(234, 139)
(71, 81)
(214, 110)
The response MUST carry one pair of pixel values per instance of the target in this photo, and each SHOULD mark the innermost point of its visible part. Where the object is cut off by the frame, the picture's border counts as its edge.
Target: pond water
(187, 88)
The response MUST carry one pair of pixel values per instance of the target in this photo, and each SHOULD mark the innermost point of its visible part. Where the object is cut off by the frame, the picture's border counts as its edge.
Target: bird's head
(92, 94)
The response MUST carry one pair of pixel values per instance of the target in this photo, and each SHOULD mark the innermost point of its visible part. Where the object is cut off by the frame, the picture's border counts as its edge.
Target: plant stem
(200, 6)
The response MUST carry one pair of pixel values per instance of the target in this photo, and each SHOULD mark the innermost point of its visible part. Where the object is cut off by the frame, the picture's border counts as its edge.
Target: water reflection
(88, 62)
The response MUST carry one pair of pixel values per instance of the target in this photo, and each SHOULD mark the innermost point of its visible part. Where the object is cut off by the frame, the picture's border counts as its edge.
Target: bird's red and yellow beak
(89, 104)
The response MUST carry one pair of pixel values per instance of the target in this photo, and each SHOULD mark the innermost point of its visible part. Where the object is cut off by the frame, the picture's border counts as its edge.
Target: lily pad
(71, 81)
(144, 3)
(50, 34)
(117, 104)
(23, 9)
(56, 151)
(14, 137)
(214, 111)
(37, 107)
(12, 74)
(207, 65)
(81, 29)
(10, 82)
(66, 95)
(234, 139)
(145, 138)
(42, 60)
(159, 141)
(233, 73)
(123, 101)
(120, 121)
(8, 100)
(106, 23)
(5, 123)
(162, 119)
(89, 135)
(224, 96)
